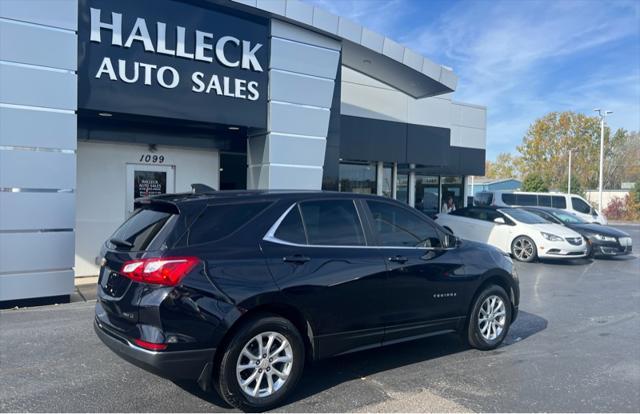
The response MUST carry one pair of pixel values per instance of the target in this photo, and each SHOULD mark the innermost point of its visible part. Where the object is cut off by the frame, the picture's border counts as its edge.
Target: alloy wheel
(523, 249)
(492, 317)
(264, 364)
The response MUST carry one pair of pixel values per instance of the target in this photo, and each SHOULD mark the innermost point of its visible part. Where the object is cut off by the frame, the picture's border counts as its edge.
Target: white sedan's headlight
(604, 238)
(551, 237)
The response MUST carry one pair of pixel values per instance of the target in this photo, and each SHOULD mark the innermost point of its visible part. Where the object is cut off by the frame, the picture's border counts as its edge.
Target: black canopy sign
(172, 59)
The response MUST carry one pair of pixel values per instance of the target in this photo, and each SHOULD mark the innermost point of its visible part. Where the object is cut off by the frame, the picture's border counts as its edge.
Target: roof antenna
(197, 188)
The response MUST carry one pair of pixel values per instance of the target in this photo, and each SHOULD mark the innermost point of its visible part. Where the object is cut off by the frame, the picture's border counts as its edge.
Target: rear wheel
(524, 249)
(261, 365)
(490, 318)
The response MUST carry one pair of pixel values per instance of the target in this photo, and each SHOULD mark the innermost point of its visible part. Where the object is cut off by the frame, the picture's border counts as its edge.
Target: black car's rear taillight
(167, 271)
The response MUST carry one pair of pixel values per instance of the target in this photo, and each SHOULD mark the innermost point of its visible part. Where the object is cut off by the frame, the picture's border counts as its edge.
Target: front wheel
(261, 364)
(524, 249)
(490, 319)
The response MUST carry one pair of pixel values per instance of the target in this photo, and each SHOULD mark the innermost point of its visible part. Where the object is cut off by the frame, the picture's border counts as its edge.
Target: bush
(627, 208)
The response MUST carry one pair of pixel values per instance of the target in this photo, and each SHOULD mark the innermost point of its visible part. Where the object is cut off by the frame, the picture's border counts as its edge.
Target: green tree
(534, 182)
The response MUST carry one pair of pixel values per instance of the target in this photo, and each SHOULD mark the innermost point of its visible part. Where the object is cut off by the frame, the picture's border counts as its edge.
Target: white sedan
(520, 233)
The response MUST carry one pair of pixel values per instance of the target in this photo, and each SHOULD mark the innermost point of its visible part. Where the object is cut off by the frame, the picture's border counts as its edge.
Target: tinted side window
(544, 200)
(291, 228)
(509, 199)
(141, 228)
(484, 199)
(220, 221)
(332, 223)
(526, 200)
(580, 206)
(558, 202)
(463, 212)
(399, 227)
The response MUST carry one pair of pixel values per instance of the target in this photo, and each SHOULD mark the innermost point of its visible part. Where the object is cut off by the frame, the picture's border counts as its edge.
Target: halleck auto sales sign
(171, 59)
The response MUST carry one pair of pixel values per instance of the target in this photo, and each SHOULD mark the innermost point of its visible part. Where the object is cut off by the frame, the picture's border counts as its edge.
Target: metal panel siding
(285, 177)
(430, 111)
(324, 20)
(20, 252)
(273, 6)
(35, 285)
(37, 169)
(372, 102)
(462, 136)
(286, 149)
(301, 58)
(469, 116)
(427, 145)
(56, 13)
(372, 139)
(299, 11)
(300, 89)
(42, 129)
(298, 34)
(372, 40)
(37, 211)
(38, 45)
(36, 87)
(294, 119)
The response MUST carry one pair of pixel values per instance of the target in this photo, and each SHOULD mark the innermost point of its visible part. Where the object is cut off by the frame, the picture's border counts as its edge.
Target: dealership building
(104, 101)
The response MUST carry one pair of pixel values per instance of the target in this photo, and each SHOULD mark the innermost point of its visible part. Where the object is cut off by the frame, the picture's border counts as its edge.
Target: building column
(412, 185)
(379, 177)
(302, 73)
(38, 140)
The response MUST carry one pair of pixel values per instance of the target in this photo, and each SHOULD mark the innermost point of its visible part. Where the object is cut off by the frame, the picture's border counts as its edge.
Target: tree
(534, 182)
(505, 166)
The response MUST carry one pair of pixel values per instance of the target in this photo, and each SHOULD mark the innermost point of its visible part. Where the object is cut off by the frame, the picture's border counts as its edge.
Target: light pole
(602, 114)
(569, 180)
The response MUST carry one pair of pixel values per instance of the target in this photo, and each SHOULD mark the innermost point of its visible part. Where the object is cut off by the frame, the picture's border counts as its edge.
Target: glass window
(357, 178)
(140, 229)
(544, 200)
(332, 223)
(387, 180)
(452, 194)
(526, 199)
(402, 191)
(219, 221)
(558, 202)
(427, 194)
(398, 227)
(509, 199)
(291, 228)
(483, 199)
(580, 205)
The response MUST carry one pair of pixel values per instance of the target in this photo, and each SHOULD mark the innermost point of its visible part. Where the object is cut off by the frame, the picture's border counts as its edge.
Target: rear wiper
(121, 243)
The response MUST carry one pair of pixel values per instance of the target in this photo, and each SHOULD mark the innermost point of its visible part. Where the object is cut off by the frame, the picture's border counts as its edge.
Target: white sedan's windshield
(523, 216)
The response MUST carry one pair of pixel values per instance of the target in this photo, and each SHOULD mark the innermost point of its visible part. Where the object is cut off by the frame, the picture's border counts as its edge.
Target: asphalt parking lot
(574, 347)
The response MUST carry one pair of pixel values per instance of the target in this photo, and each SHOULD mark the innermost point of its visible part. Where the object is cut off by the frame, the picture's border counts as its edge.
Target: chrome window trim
(270, 237)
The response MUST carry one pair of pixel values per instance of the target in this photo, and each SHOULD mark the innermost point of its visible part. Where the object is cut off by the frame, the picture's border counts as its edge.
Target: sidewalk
(85, 290)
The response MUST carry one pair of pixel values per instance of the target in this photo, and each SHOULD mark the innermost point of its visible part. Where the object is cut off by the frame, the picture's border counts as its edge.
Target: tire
(524, 249)
(476, 333)
(227, 382)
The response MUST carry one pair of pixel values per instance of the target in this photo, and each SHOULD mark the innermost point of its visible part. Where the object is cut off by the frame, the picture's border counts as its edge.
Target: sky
(521, 58)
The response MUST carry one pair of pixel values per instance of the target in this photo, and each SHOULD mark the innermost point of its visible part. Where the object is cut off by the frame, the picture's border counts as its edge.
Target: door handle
(296, 258)
(399, 259)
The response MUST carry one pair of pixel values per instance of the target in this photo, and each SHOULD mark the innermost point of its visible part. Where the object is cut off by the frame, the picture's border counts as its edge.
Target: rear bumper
(185, 365)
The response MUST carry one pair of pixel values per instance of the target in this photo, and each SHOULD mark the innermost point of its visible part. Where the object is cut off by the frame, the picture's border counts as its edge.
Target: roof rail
(198, 188)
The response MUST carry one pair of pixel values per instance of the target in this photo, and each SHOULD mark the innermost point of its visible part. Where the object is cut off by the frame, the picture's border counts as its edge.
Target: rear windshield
(219, 221)
(139, 230)
(483, 199)
(568, 218)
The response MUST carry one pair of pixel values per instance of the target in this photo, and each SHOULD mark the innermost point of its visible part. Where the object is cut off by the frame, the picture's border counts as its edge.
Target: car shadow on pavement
(326, 374)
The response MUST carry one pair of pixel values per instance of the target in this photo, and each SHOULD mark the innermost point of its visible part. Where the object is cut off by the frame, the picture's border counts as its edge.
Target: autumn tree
(545, 150)
(505, 166)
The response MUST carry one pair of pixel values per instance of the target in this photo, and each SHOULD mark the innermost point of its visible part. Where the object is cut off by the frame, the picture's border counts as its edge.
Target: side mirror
(499, 220)
(450, 241)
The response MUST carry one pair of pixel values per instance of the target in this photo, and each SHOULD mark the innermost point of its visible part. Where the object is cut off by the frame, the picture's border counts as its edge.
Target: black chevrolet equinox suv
(237, 290)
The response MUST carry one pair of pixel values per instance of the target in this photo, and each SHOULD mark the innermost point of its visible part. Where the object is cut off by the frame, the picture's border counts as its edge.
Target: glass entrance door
(427, 194)
(452, 193)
